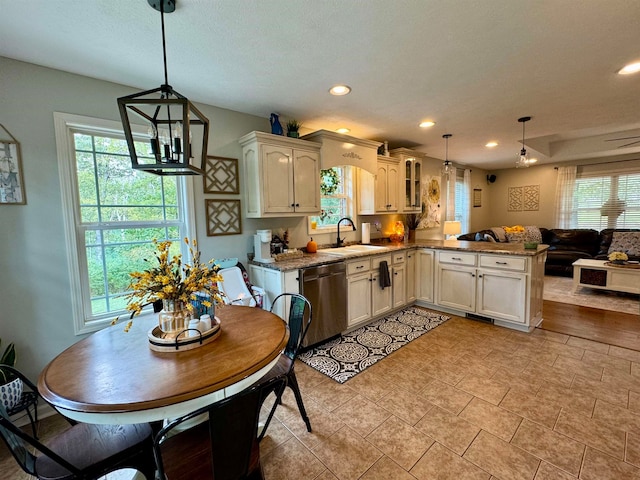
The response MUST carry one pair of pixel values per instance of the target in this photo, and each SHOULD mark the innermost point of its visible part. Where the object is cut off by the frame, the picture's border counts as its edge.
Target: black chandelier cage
(178, 132)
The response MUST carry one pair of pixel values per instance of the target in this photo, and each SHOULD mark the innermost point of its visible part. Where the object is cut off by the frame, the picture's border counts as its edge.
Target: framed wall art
(223, 217)
(221, 175)
(11, 180)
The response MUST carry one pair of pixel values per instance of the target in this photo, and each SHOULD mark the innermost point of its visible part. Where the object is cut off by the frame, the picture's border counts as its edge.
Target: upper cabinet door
(281, 176)
(306, 171)
(277, 174)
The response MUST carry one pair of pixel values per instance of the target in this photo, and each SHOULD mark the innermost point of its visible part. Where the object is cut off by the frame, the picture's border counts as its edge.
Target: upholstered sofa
(568, 245)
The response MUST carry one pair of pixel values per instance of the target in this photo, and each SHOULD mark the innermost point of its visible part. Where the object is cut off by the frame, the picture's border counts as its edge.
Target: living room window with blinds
(606, 201)
(598, 195)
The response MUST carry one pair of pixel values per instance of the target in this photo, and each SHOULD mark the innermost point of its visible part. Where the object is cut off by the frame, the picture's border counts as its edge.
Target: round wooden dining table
(113, 377)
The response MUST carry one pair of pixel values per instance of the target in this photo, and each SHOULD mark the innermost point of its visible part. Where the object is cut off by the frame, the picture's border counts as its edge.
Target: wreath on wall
(330, 181)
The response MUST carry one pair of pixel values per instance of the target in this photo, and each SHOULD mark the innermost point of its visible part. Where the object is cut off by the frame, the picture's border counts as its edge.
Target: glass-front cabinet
(411, 187)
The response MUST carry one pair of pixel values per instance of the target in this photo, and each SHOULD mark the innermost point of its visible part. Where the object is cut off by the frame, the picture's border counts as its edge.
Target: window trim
(65, 124)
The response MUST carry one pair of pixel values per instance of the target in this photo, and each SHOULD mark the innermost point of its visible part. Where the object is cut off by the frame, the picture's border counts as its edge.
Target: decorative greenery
(613, 256)
(330, 181)
(293, 125)
(8, 358)
(173, 280)
(412, 220)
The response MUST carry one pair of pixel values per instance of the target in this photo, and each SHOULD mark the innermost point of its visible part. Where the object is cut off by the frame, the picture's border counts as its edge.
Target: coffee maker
(262, 246)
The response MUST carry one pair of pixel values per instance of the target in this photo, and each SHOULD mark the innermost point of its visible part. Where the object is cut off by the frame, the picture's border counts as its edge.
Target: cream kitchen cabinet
(411, 276)
(274, 282)
(456, 280)
(504, 288)
(410, 179)
(281, 176)
(358, 291)
(424, 272)
(399, 279)
(366, 299)
(379, 193)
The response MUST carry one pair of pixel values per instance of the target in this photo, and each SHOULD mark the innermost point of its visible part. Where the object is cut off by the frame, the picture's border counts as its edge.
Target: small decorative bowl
(530, 245)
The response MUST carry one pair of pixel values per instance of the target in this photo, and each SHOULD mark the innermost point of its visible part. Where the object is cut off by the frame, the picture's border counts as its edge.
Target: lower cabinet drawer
(457, 258)
(358, 266)
(504, 262)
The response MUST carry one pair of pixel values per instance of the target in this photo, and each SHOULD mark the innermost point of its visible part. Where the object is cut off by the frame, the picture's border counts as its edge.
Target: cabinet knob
(473, 275)
(293, 204)
(479, 276)
(297, 204)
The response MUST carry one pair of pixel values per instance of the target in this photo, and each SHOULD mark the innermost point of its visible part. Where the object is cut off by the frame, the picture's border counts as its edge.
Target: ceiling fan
(624, 138)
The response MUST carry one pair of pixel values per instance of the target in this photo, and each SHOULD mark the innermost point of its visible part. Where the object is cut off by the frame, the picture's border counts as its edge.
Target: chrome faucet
(340, 241)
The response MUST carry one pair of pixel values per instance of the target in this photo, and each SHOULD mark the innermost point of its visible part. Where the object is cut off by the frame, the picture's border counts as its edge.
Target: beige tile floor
(466, 401)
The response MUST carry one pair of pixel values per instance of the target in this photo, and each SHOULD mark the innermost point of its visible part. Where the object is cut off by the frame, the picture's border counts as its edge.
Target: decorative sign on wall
(525, 198)
(514, 203)
(11, 182)
(223, 217)
(531, 198)
(221, 175)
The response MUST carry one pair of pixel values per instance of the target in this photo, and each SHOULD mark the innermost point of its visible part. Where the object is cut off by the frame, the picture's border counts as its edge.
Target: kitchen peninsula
(497, 282)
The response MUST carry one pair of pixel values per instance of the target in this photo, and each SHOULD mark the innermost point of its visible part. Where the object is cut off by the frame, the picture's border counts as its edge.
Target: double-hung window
(112, 216)
(336, 199)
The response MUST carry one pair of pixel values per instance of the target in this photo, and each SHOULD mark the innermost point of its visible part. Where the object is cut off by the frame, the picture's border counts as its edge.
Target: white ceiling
(473, 66)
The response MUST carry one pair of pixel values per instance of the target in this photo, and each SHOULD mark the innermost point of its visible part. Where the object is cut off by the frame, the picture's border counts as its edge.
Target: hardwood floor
(614, 328)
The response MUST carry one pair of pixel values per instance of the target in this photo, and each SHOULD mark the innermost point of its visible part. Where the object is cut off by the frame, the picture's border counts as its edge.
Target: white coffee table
(596, 274)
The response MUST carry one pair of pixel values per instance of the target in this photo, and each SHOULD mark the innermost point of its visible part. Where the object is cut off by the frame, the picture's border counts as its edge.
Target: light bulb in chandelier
(523, 157)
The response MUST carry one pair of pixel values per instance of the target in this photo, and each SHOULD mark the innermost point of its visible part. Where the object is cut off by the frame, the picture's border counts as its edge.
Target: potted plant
(10, 385)
(412, 220)
(292, 128)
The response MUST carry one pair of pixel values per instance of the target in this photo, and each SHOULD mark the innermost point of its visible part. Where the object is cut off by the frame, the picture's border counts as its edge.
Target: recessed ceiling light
(340, 90)
(427, 124)
(491, 144)
(631, 68)
(343, 130)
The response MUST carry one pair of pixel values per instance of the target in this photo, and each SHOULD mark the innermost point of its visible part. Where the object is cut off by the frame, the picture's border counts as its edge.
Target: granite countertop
(323, 258)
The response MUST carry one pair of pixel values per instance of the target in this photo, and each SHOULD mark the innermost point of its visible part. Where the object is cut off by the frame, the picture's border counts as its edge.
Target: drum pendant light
(447, 166)
(178, 133)
(523, 158)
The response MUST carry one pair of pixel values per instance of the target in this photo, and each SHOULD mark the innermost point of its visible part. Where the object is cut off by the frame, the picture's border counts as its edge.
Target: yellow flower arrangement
(514, 229)
(618, 256)
(173, 280)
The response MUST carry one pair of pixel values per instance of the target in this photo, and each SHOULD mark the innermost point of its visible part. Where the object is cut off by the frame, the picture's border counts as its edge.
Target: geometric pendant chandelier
(177, 132)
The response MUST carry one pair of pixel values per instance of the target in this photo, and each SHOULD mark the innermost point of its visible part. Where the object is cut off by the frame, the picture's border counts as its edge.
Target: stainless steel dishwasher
(325, 287)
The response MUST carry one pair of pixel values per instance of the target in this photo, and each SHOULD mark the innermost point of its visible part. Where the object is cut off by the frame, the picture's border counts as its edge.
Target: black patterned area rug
(344, 357)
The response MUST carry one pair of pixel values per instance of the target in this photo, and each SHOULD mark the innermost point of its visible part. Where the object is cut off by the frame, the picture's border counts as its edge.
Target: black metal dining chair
(226, 445)
(28, 400)
(83, 451)
(300, 316)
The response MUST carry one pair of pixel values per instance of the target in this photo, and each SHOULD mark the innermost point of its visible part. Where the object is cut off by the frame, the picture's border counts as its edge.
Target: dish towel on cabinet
(385, 278)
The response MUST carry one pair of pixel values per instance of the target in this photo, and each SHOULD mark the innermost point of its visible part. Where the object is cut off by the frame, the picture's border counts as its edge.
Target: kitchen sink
(353, 250)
